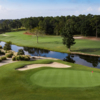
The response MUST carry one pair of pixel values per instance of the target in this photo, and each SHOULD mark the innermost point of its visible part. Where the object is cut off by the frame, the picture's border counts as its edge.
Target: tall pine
(67, 34)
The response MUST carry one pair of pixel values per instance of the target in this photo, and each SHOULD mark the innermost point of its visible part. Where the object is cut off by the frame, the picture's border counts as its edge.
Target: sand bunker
(54, 64)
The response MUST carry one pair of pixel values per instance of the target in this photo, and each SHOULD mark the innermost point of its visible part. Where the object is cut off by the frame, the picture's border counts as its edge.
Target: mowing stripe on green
(66, 78)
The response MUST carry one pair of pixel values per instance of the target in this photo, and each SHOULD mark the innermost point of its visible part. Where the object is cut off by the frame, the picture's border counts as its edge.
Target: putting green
(66, 78)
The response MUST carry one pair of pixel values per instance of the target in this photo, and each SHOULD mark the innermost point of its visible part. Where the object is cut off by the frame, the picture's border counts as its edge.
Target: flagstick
(91, 73)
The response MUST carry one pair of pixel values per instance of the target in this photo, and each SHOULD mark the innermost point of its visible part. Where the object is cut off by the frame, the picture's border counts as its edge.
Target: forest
(86, 25)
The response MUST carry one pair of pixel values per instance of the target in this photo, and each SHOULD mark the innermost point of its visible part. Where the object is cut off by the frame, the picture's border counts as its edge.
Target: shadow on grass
(55, 42)
(18, 30)
(87, 50)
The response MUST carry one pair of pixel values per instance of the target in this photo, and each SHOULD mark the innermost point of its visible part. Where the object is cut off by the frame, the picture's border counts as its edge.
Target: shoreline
(85, 54)
(80, 53)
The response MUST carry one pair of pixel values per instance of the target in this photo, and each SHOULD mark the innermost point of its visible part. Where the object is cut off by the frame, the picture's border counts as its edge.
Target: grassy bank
(53, 43)
(17, 85)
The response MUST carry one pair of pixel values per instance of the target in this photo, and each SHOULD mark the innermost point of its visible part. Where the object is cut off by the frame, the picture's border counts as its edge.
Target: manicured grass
(16, 85)
(66, 78)
(52, 43)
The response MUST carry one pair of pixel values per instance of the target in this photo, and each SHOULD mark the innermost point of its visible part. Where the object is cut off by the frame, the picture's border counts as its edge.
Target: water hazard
(89, 61)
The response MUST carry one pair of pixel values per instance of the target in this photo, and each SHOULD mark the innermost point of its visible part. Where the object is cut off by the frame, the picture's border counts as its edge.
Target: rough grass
(16, 85)
(51, 43)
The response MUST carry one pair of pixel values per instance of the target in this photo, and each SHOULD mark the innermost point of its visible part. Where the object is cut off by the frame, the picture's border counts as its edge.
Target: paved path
(4, 62)
(40, 57)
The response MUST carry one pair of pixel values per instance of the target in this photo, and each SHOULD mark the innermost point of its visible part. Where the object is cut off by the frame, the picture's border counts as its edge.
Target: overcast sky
(16, 9)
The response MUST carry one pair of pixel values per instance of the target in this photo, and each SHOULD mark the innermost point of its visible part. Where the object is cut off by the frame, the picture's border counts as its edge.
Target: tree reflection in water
(93, 60)
(36, 51)
(69, 58)
(90, 61)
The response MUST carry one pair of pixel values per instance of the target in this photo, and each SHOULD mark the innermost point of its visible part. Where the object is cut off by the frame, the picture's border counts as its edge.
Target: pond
(89, 61)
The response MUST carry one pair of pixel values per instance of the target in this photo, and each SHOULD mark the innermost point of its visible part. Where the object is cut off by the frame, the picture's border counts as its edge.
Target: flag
(92, 71)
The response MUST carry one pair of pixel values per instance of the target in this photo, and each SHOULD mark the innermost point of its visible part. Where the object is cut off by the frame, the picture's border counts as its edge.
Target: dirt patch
(88, 37)
(92, 38)
(79, 37)
(54, 64)
(28, 33)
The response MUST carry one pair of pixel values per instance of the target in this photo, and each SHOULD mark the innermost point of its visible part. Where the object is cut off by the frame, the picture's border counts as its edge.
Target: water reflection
(69, 58)
(90, 61)
(93, 60)
(36, 51)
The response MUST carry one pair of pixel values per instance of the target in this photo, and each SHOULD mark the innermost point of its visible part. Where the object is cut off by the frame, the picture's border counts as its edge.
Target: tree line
(8, 25)
(87, 25)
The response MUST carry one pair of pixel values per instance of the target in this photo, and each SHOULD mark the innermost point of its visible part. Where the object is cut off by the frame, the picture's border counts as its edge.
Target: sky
(16, 9)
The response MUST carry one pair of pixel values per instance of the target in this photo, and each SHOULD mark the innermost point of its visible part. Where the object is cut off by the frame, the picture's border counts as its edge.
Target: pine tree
(67, 34)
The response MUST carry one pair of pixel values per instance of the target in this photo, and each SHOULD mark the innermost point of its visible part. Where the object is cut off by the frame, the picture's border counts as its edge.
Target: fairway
(66, 78)
(53, 43)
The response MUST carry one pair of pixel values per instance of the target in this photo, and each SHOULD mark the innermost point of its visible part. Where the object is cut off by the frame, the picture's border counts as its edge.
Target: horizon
(35, 8)
(45, 16)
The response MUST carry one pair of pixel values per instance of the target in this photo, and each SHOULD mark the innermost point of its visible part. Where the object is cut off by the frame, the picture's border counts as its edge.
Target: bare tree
(37, 32)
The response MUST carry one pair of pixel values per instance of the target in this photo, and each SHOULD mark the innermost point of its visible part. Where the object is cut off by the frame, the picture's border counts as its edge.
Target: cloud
(89, 9)
(99, 9)
(14, 10)
(3, 9)
(0, 7)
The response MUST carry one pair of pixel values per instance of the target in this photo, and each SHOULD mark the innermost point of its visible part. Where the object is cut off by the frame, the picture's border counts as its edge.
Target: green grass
(66, 78)
(16, 85)
(52, 43)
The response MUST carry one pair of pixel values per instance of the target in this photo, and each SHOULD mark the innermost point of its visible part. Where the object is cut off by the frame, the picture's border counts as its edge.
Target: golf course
(49, 49)
(77, 82)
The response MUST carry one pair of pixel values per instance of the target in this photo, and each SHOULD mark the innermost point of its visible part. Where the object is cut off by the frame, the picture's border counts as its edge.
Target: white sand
(54, 64)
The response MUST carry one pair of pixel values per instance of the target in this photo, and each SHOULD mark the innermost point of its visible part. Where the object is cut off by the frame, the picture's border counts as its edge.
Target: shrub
(0, 59)
(9, 55)
(21, 58)
(20, 52)
(26, 57)
(18, 58)
(0, 47)
(14, 58)
(1, 52)
(7, 46)
(9, 51)
(3, 58)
